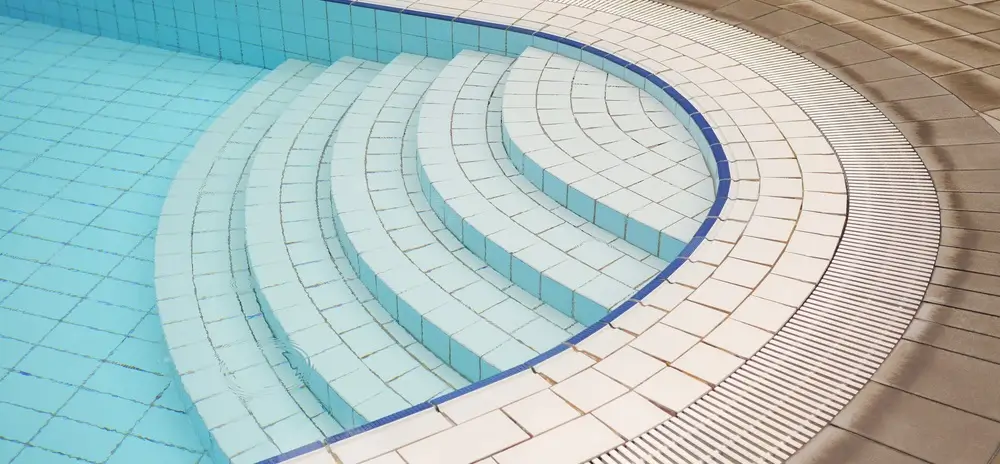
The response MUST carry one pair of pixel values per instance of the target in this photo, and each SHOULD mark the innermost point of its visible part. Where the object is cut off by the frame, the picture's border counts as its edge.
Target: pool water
(92, 131)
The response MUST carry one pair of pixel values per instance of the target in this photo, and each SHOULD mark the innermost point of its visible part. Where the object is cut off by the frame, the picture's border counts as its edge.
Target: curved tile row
(243, 396)
(768, 196)
(354, 358)
(409, 260)
(559, 119)
(543, 248)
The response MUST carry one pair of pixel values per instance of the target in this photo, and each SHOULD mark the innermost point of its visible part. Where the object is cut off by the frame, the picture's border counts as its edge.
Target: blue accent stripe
(722, 193)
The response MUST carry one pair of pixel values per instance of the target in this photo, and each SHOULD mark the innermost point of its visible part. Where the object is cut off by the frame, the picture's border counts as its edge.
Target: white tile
(809, 244)
(720, 295)
(604, 342)
(631, 415)
(664, 342)
(694, 318)
(762, 313)
(572, 443)
(468, 442)
(822, 224)
(708, 363)
(740, 272)
(770, 228)
(692, 274)
(589, 390)
(320, 456)
(668, 295)
(712, 252)
(494, 396)
(758, 250)
(673, 389)
(391, 458)
(564, 365)
(379, 441)
(801, 267)
(738, 338)
(637, 319)
(629, 366)
(783, 290)
(541, 411)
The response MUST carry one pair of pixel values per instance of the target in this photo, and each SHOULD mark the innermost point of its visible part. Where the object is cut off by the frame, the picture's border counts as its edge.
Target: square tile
(588, 390)
(541, 412)
(694, 318)
(708, 363)
(466, 442)
(629, 366)
(673, 389)
(631, 415)
(738, 338)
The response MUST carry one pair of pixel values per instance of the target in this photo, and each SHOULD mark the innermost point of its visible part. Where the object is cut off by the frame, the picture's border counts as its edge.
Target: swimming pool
(94, 141)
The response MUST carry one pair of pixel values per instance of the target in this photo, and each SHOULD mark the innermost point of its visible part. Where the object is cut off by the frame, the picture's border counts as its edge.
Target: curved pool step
(541, 246)
(443, 295)
(354, 357)
(241, 392)
(606, 150)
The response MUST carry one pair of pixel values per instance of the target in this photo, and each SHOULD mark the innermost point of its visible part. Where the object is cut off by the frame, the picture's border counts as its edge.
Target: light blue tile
(165, 426)
(34, 392)
(32, 455)
(78, 440)
(19, 423)
(134, 449)
(57, 365)
(103, 410)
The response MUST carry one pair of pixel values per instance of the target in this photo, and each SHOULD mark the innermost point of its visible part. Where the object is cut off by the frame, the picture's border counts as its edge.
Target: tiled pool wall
(267, 32)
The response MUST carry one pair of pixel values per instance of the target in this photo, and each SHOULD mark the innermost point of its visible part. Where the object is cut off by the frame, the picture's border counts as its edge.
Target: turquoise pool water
(92, 131)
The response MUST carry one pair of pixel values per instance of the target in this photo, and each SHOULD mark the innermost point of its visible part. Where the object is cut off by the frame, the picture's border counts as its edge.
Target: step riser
(388, 260)
(459, 149)
(561, 180)
(641, 235)
(319, 386)
(217, 166)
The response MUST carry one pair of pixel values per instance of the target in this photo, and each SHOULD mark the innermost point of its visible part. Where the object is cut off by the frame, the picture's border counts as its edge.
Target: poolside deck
(931, 66)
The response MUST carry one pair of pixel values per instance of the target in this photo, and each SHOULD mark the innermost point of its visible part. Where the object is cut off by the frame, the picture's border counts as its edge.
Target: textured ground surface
(932, 67)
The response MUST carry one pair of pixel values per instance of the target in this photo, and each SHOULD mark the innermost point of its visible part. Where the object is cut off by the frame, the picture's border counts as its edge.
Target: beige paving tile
(604, 342)
(664, 342)
(629, 366)
(673, 389)
(764, 314)
(738, 338)
(564, 365)
(467, 442)
(631, 415)
(541, 412)
(720, 295)
(590, 436)
(589, 389)
(708, 363)
(694, 318)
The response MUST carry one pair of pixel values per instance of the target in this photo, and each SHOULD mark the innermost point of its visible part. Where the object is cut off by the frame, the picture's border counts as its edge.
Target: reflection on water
(255, 382)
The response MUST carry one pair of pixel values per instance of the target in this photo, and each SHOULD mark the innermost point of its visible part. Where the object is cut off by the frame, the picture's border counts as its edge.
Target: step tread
(353, 349)
(417, 269)
(230, 364)
(573, 265)
(606, 149)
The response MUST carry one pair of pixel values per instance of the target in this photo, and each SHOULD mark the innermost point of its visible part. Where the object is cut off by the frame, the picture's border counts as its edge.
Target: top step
(607, 150)
(444, 296)
(543, 247)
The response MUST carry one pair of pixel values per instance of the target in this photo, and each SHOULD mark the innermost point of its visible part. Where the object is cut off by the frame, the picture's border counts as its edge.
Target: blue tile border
(722, 191)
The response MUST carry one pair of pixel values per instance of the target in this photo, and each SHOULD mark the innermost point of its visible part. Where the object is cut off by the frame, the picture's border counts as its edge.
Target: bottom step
(240, 391)
(356, 359)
